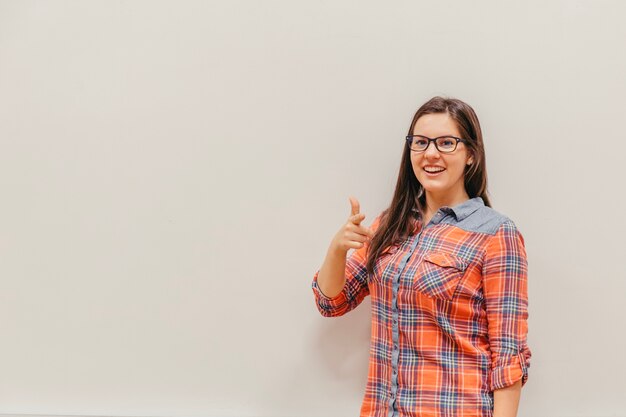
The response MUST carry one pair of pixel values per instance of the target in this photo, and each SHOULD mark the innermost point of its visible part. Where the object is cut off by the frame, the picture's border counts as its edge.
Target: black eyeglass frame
(409, 140)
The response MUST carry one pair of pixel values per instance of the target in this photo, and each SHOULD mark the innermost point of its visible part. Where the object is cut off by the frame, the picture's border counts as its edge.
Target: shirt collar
(464, 209)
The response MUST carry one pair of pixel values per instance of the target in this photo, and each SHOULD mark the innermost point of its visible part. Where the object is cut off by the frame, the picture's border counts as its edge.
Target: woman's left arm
(506, 400)
(505, 287)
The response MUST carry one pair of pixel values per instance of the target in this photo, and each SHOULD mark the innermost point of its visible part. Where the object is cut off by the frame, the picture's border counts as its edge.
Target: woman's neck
(434, 203)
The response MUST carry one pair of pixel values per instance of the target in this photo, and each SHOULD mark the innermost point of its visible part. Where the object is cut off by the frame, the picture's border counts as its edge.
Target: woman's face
(449, 183)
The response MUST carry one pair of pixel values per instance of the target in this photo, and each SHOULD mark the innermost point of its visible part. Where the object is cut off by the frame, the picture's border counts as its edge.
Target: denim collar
(464, 209)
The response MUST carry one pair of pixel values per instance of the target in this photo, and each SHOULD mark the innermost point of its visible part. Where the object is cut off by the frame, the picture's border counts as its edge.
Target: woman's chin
(434, 188)
(433, 185)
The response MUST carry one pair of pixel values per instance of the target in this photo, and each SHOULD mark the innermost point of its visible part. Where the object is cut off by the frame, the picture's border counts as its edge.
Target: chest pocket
(439, 274)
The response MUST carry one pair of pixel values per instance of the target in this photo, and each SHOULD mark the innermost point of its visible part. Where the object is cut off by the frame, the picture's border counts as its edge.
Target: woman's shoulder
(491, 221)
(377, 220)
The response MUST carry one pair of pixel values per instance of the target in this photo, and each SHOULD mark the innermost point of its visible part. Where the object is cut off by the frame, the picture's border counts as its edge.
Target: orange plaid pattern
(449, 311)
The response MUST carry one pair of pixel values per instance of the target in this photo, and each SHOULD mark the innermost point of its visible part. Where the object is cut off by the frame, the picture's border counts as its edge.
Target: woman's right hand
(352, 235)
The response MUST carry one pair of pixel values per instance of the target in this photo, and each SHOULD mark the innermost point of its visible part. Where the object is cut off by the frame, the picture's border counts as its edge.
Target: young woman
(447, 276)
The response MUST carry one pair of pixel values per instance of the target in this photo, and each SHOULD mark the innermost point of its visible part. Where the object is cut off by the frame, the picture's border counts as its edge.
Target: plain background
(172, 174)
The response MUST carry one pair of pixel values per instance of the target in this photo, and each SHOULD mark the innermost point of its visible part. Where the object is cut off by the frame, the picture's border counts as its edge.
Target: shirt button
(395, 321)
(395, 347)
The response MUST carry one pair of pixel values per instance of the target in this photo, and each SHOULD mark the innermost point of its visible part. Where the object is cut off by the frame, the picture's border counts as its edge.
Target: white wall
(172, 174)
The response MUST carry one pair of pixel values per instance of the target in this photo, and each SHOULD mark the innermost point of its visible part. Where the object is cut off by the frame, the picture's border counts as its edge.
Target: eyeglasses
(444, 144)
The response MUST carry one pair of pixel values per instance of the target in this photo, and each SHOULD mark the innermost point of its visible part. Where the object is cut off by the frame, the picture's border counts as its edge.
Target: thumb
(355, 206)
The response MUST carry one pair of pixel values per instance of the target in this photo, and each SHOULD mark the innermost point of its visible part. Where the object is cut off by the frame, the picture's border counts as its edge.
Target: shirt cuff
(509, 370)
(328, 306)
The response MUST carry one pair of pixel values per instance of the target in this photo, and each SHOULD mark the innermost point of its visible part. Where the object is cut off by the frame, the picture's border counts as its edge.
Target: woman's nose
(431, 150)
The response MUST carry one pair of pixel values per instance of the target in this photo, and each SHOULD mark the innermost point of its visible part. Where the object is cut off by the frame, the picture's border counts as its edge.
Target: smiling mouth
(434, 172)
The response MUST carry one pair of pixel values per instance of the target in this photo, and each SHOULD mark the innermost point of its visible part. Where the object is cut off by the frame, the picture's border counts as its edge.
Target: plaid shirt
(449, 312)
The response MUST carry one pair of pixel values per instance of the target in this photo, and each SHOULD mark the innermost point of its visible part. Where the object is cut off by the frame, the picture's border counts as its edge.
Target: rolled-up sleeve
(355, 288)
(505, 287)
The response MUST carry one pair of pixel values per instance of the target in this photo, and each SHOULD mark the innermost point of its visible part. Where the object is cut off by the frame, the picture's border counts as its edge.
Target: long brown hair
(398, 221)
